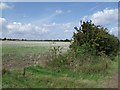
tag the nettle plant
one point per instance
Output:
(55, 51)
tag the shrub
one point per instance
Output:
(80, 62)
(90, 51)
(95, 39)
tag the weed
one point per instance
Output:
(80, 62)
(5, 71)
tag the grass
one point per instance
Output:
(52, 76)
(19, 57)
(19, 51)
(38, 77)
(41, 77)
(84, 63)
(13, 56)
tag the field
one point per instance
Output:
(31, 56)
(17, 53)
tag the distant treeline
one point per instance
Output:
(9, 39)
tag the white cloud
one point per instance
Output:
(2, 20)
(19, 27)
(85, 18)
(58, 11)
(49, 30)
(114, 31)
(23, 30)
(4, 6)
(104, 17)
(66, 27)
(107, 18)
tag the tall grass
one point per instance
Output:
(81, 63)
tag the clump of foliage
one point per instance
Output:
(90, 52)
(55, 51)
(94, 39)
(81, 63)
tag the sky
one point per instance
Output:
(54, 20)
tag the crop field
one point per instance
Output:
(17, 53)
(32, 55)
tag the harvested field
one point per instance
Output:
(36, 43)
(23, 53)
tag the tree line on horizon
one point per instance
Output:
(57, 40)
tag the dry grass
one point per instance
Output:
(19, 54)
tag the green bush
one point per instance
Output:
(90, 51)
(95, 39)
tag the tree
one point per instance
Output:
(5, 38)
(96, 38)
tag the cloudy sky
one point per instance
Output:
(50, 20)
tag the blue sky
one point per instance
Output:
(54, 20)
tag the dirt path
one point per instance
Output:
(112, 82)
